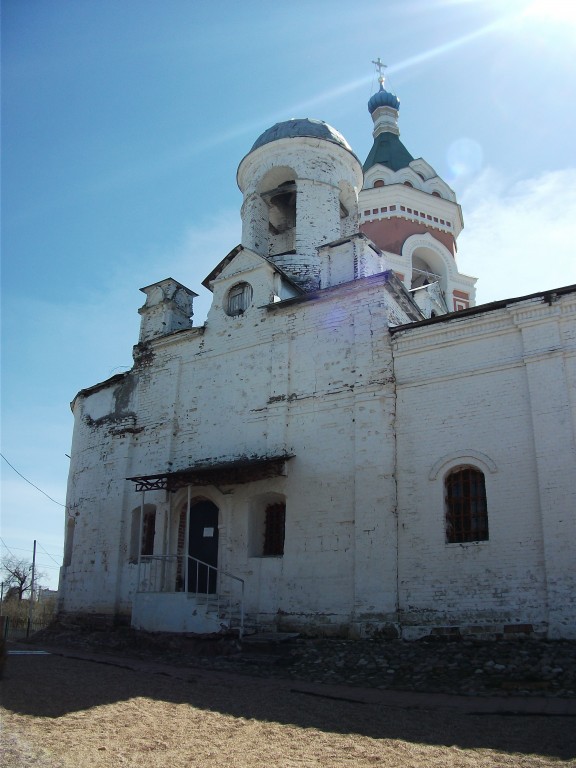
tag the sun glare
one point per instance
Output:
(563, 11)
(543, 12)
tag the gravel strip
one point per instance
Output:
(519, 667)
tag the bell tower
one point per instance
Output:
(409, 212)
(300, 183)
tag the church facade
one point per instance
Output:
(348, 445)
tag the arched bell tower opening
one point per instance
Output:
(282, 211)
(427, 268)
(348, 209)
(279, 192)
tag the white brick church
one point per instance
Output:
(348, 445)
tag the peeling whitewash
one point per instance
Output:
(370, 420)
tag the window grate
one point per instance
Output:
(274, 530)
(466, 508)
(148, 533)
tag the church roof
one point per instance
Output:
(218, 269)
(388, 150)
(301, 127)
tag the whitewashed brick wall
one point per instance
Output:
(488, 390)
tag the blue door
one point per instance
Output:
(203, 545)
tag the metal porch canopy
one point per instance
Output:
(239, 471)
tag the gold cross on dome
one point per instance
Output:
(380, 66)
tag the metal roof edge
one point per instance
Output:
(480, 309)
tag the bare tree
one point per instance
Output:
(17, 576)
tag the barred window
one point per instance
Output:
(466, 509)
(148, 532)
(274, 529)
(239, 299)
(144, 545)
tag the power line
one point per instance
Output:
(11, 550)
(49, 555)
(8, 548)
(31, 483)
(27, 549)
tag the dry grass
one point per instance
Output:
(60, 712)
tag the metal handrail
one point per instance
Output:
(214, 568)
(165, 580)
(222, 572)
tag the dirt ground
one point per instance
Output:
(59, 711)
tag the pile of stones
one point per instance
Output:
(473, 667)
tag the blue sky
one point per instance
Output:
(124, 122)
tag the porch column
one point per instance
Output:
(141, 531)
(186, 540)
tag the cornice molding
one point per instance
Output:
(487, 320)
(461, 329)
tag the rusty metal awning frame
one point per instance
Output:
(237, 472)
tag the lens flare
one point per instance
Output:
(464, 157)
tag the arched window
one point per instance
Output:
(239, 299)
(148, 532)
(379, 183)
(466, 509)
(267, 525)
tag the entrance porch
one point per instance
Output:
(199, 598)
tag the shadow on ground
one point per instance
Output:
(52, 686)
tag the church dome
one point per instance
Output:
(383, 99)
(301, 127)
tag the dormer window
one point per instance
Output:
(239, 299)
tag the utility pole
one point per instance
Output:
(30, 604)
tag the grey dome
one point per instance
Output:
(301, 127)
